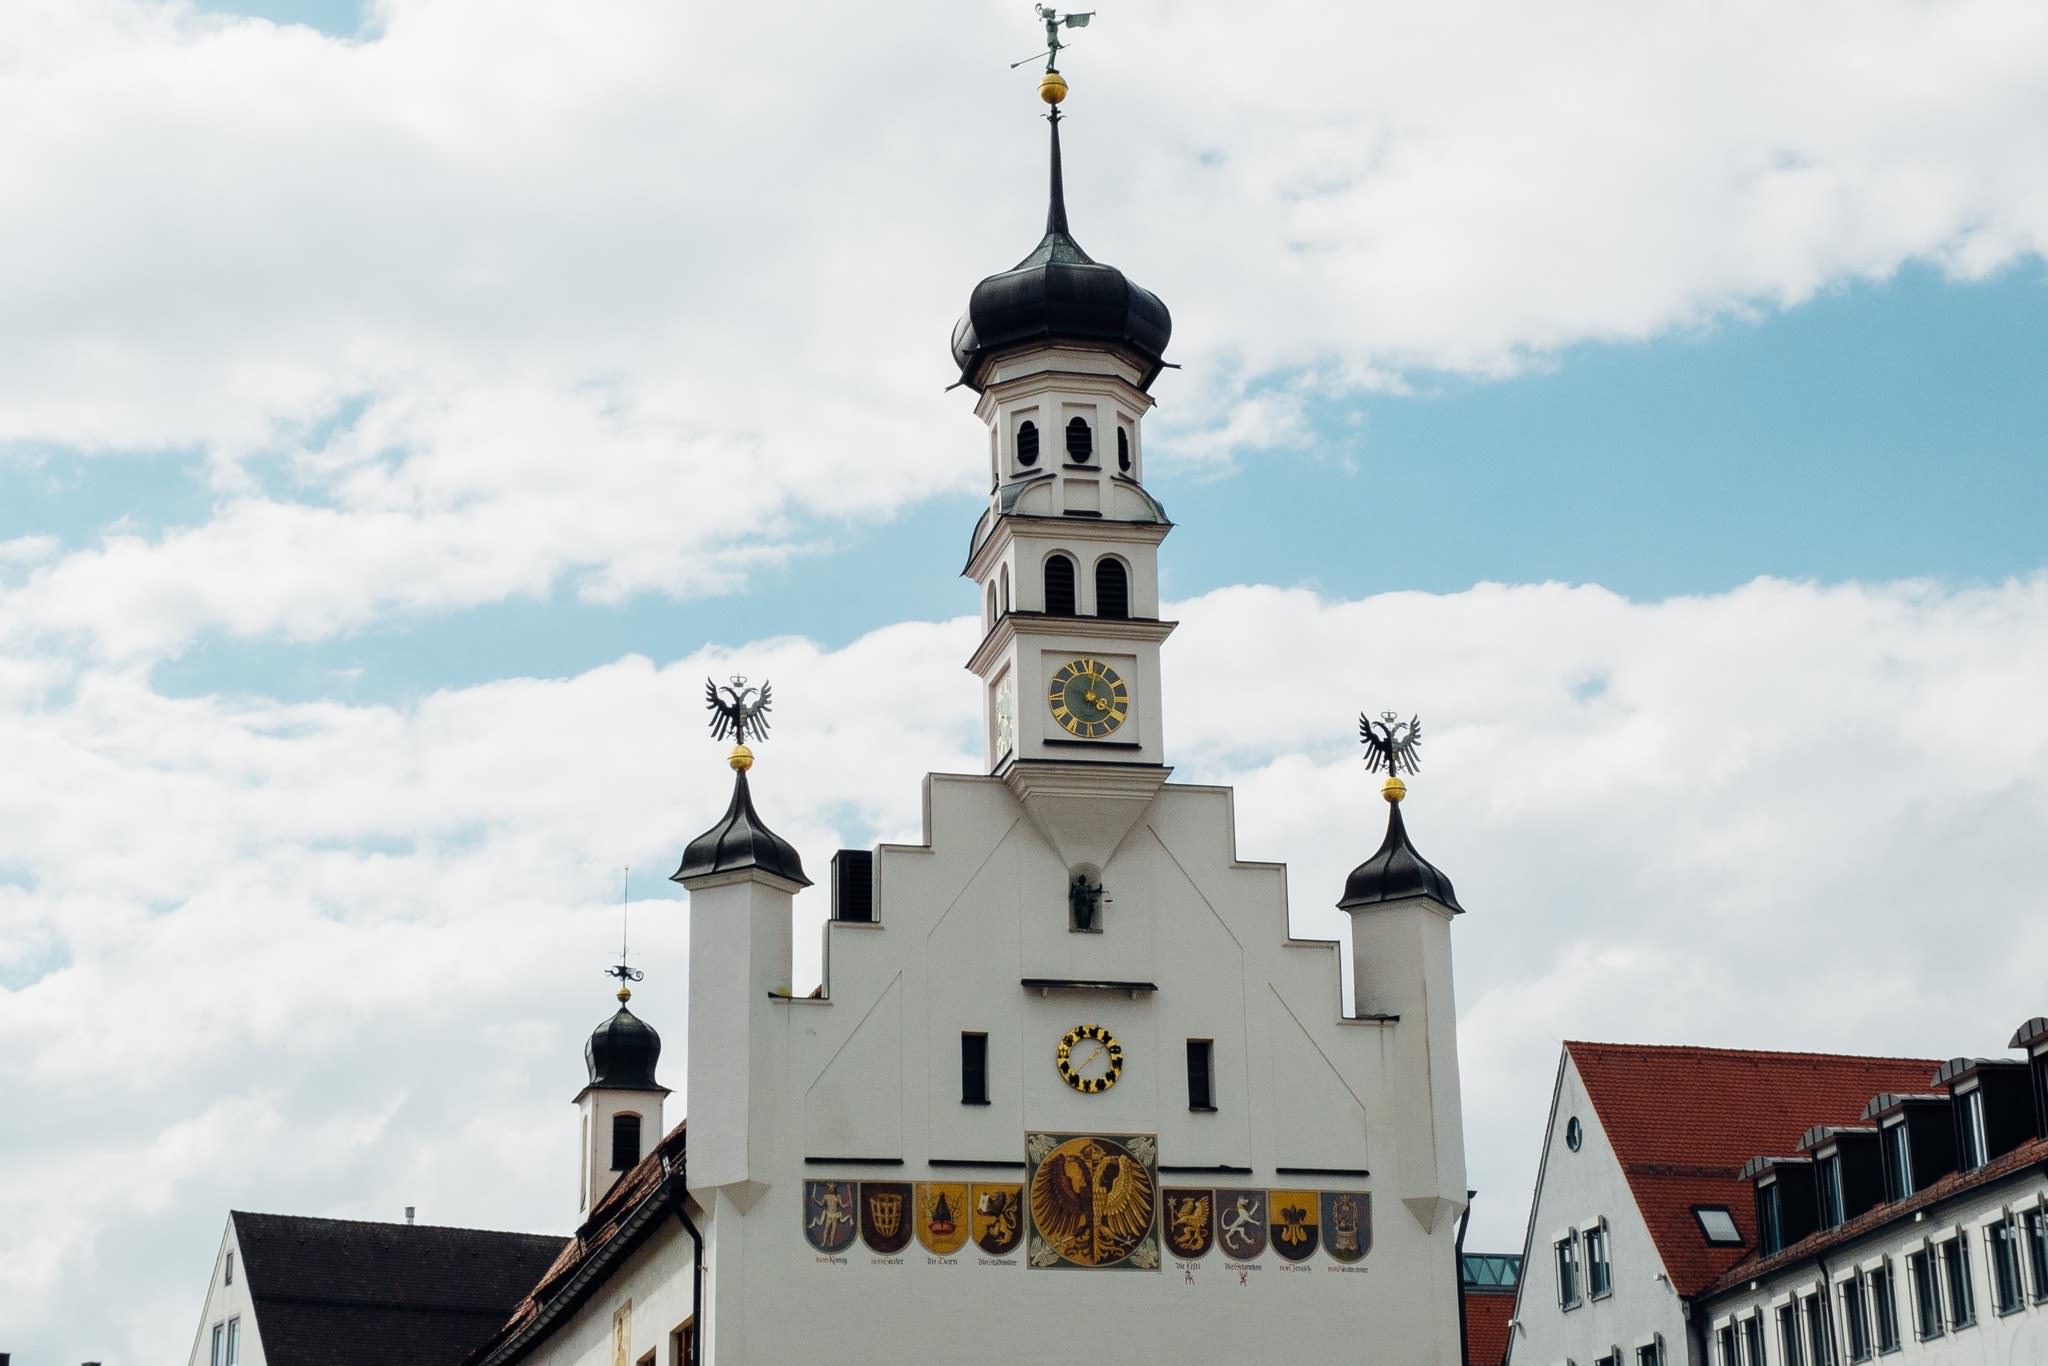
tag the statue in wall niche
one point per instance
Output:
(1084, 900)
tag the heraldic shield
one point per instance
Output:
(886, 1216)
(828, 1215)
(942, 1216)
(998, 1219)
(1190, 1222)
(1347, 1224)
(1293, 1217)
(1094, 1200)
(1241, 1223)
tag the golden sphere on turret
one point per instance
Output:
(742, 759)
(1393, 789)
(1052, 87)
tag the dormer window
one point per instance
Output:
(1027, 442)
(1112, 589)
(1059, 586)
(1770, 1222)
(1898, 1161)
(1123, 450)
(1828, 1177)
(1970, 1120)
(1080, 441)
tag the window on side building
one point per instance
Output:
(1961, 1298)
(2037, 1252)
(1599, 1274)
(1731, 1354)
(1972, 1148)
(2002, 1244)
(1790, 1347)
(1828, 1179)
(1819, 1346)
(1650, 1353)
(1898, 1161)
(1884, 1308)
(1753, 1338)
(1855, 1320)
(1926, 1295)
(220, 1340)
(234, 1355)
(1770, 1235)
(1566, 1252)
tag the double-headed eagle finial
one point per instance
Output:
(1390, 744)
(741, 713)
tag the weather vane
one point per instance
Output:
(741, 713)
(1390, 744)
(621, 971)
(1054, 22)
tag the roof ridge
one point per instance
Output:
(388, 1223)
(1723, 1051)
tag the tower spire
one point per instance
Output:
(1056, 203)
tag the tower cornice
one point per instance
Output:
(1075, 529)
(1015, 624)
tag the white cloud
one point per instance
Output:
(630, 305)
(340, 959)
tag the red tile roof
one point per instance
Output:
(1487, 1313)
(1683, 1121)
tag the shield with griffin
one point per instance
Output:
(1241, 1223)
(886, 1216)
(998, 1219)
(1293, 1217)
(942, 1216)
(1094, 1200)
(1190, 1222)
(1347, 1224)
(828, 1215)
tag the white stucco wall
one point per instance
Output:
(652, 1286)
(1574, 1190)
(872, 1072)
(226, 1301)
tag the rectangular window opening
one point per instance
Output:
(1650, 1354)
(973, 1068)
(1731, 1352)
(1955, 1276)
(1818, 1346)
(1855, 1320)
(1974, 1148)
(1599, 1274)
(2003, 1240)
(1829, 1173)
(229, 1277)
(1898, 1162)
(1926, 1295)
(2037, 1251)
(1567, 1251)
(1201, 1074)
(1884, 1308)
(234, 1342)
(1753, 1339)
(1789, 1344)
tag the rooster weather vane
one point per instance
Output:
(1390, 743)
(742, 712)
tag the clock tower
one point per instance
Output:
(1062, 351)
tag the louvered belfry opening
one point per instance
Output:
(1027, 442)
(625, 1142)
(1080, 441)
(1059, 586)
(853, 885)
(1112, 589)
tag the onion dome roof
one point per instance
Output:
(1397, 872)
(740, 840)
(622, 1053)
(1061, 293)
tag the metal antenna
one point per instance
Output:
(621, 971)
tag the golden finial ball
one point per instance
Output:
(1393, 789)
(1052, 87)
(742, 759)
(625, 994)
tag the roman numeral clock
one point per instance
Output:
(1088, 698)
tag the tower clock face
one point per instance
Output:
(1088, 699)
(1089, 1059)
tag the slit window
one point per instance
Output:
(973, 1069)
(229, 1277)
(1201, 1074)
(1080, 441)
(625, 1141)
(1059, 586)
(1027, 442)
(1123, 450)
(1112, 589)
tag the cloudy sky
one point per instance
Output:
(405, 405)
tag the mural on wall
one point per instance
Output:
(828, 1215)
(1241, 1223)
(942, 1216)
(1094, 1200)
(1190, 1222)
(1295, 1218)
(885, 1216)
(1347, 1224)
(998, 1218)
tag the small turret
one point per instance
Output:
(622, 1102)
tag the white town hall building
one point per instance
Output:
(1070, 1090)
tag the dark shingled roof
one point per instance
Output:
(740, 840)
(622, 1052)
(339, 1292)
(1397, 872)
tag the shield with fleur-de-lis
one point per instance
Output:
(1295, 1220)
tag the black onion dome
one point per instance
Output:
(740, 840)
(1397, 872)
(1059, 292)
(622, 1053)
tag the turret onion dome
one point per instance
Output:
(1397, 872)
(1060, 293)
(740, 840)
(622, 1053)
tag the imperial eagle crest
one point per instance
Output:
(1390, 743)
(742, 712)
(1093, 1203)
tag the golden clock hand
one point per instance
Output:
(1092, 1056)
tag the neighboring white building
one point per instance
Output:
(1721, 1207)
(1070, 1087)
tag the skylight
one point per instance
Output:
(1718, 1225)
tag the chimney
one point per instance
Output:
(408, 1219)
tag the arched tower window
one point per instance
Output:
(625, 1141)
(1059, 586)
(1080, 441)
(1027, 442)
(1112, 589)
(991, 618)
(1123, 450)
(1003, 596)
